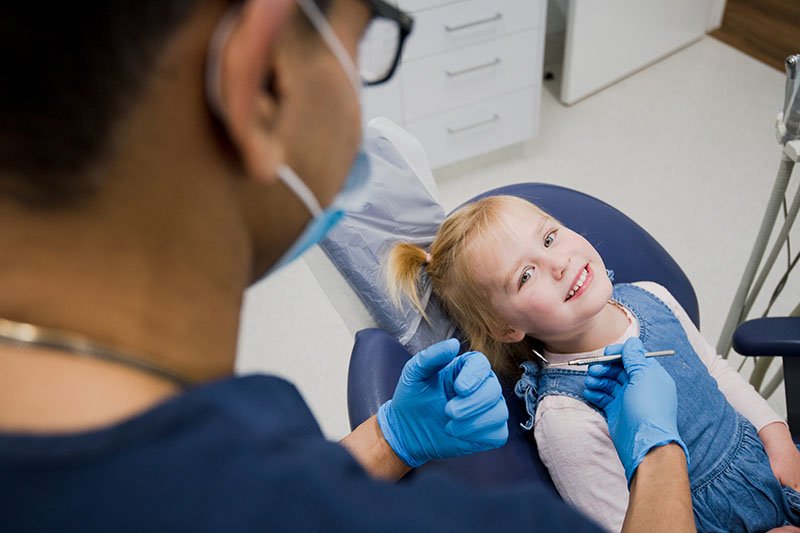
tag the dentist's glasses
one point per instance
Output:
(382, 44)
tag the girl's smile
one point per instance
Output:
(581, 283)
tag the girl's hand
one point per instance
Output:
(783, 455)
(787, 468)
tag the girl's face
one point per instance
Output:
(543, 279)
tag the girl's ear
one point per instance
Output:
(509, 335)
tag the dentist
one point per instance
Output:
(156, 158)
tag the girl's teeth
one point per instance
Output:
(578, 284)
(580, 281)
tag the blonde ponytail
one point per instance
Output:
(404, 267)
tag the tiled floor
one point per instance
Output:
(685, 147)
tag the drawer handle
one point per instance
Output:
(454, 73)
(494, 118)
(494, 18)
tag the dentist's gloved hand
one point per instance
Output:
(640, 402)
(444, 406)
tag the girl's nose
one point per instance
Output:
(559, 266)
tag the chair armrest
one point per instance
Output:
(375, 366)
(768, 336)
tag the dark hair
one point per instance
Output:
(69, 71)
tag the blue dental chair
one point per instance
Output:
(627, 249)
(776, 336)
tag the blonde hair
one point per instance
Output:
(452, 268)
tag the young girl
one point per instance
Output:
(514, 279)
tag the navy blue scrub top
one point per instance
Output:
(241, 454)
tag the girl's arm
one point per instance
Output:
(773, 431)
(575, 446)
(783, 455)
(739, 393)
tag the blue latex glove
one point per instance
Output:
(640, 402)
(444, 406)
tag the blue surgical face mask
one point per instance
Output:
(350, 198)
(353, 192)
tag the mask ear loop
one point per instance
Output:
(329, 36)
(290, 178)
(320, 23)
(213, 74)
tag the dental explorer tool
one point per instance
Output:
(608, 358)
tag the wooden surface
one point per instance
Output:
(768, 30)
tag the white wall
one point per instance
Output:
(716, 12)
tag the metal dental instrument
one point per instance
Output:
(607, 358)
(791, 64)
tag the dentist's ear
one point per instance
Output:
(240, 60)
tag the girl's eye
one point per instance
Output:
(526, 275)
(549, 239)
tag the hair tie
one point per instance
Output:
(428, 258)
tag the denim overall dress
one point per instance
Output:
(733, 487)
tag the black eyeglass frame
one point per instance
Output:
(382, 9)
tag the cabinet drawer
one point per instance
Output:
(385, 100)
(471, 74)
(418, 5)
(454, 26)
(479, 128)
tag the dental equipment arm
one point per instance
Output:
(791, 103)
(788, 135)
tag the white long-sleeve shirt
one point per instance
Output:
(573, 439)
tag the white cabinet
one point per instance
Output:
(610, 39)
(470, 78)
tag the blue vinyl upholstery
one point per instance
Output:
(768, 336)
(626, 248)
(776, 336)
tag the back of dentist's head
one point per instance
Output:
(455, 257)
(71, 69)
(71, 72)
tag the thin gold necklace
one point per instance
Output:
(14, 333)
